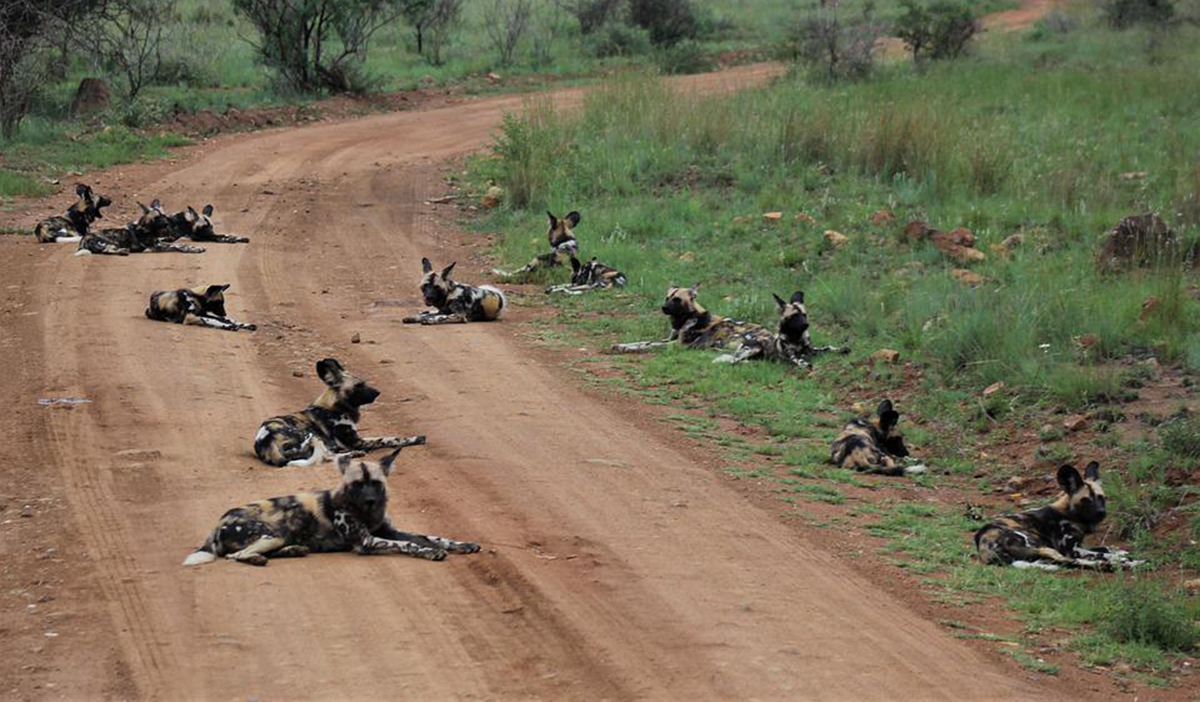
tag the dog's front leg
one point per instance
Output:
(639, 346)
(444, 319)
(217, 323)
(391, 533)
(373, 545)
(372, 443)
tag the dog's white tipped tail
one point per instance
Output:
(69, 239)
(199, 558)
(83, 252)
(915, 470)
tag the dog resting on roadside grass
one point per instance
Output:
(562, 244)
(351, 517)
(790, 345)
(77, 221)
(327, 427)
(589, 276)
(201, 306)
(153, 232)
(873, 446)
(694, 327)
(198, 226)
(1051, 537)
(454, 302)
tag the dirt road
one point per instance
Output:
(616, 565)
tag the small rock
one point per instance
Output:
(1148, 306)
(1152, 366)
(297, 374)
(428, 79)
(772, 216)
(889, 356)
(493, 77)
(966, 277)
(883, 217)
(1074, 422)
(804, 217)
(357, 338)
(958, 244)
(385, 361)
(491, 199)
(687, 257)
(993, 389)
(1134, 175)
(917, 230)
(1015, 483)
(835, 238)
(1192, 586)
(1006, 247)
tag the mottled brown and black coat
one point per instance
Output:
(77, 221)
(455, 302)
(872, 446)
(201, 307)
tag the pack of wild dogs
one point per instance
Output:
(352, 515)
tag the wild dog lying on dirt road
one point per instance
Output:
(791, 344)
(151, 233)
(562, 243)
(1050, 537)
(202, 306)
(327, 427)
(693, 326)
(592, 275)
(351, 517)
(454, 302)
(77, 221)
(873, 446)
(198, 226)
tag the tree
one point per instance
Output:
(128, 35)
(941, 30)
(506, 22)
(668, 21)
(434, 23)
(318, 44)
(591, 14)
(834, 49)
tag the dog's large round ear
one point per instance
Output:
(330, 371)
(214, 290)
(426, 266)
(208, 210)
(388, 460)
(779, 301)
(575, 265)
(343, 462)
(1069, 479)
(885, 406)
(798, 297)
(145, 210)
(447, 270)
(888, 419)
(156, 204)
(189, 215)
(82, 190)
(694, 288)
(573, 217)
(553, 219)
(1092, 472)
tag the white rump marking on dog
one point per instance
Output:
(1034, 564)
(83, 252)
(915, 470)
(199, 558)
(69, 239)
(263, 433)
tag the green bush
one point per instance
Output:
(617, 39)
(668, 21)
(940, 30)
(1140, 612)
(1181, 436)
(1121, 14)
(684, 57)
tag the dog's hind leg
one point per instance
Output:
(830, 349)
(217, 323)
(256, 553)
(293, 551)
(444, 319)
(639, 346)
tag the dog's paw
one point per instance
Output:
(250, 327)
(256, 559)
(411, 320)
(432, 554)
(466, 547)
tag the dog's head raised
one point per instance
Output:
(562, 234)
(885, 422)
(212, 299)
(1084, 502)
(436, 287)
(363, 490)
(793, 317)
(195, 223)
(88, 208)
(345, 390)
(153, 220)
(681, 303)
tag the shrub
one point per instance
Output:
(834, 50)
(591, 14)
(1140, 612)
(317, 44)
(668, 21)
(1181, 436)
(506, 22)
(1121, 14)
(617, 39)
(434, 24)
(684, 57)
(941, 30)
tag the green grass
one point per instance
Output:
(1030, 136)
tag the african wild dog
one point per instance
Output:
(455, 302)
(592, 275)
(562, 243)
(202, 306)
(351, 517)
(1050, 537)
(791, 344)
(873, 446)
(78, 220)
(693, 326)
(327, 427)
(150, 233)
(198, 226)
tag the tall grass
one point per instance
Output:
(1001, 144)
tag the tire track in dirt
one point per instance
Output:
(617, 568)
